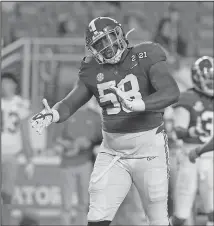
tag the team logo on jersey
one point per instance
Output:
(198, 106)
(100, 77)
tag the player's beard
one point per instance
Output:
(110, 51)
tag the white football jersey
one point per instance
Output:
(12, 112)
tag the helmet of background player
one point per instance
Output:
(106, 40)
(202, 75)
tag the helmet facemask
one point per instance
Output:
(108, 46)
(203, 76)
(208, 81)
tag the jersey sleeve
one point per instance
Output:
(87, 68)
(149, 54)
(83, 68)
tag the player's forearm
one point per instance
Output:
(161, 99)
(63, 110)
(72, 102)
(206, 147)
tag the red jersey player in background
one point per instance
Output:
(194, 125)
(14, 138)
(133, 86)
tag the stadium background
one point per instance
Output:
(43, 44)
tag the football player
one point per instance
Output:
(194, 125)
(133, 86)
(197, 152)
(14, 138)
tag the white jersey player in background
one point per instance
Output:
(14, 139)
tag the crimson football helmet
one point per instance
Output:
(106, 40)
(202, 75)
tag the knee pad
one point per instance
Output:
(175, 221)
(100, 223)
(157, 185)
(210, 217)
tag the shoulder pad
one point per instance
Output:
(149, 53)
(88, 59)
(88, 63)
(149, 47)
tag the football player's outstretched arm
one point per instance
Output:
(167, 91)
(62, 110)
(73, 101)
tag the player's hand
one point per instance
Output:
(123, 98)
(127, 102)
(42, 119)
(193, 155)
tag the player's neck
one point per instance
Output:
(124, 54)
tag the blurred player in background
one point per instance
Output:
(194, 125)
(133, 86)
(14, 138)
(197, 152)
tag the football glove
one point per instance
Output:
(44, 118)
(127, 102)
(193, 155)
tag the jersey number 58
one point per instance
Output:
(134, 92)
